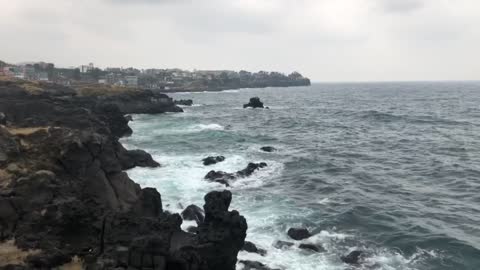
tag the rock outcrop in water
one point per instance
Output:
(254, 103)
(268, 149)
(252, 248)
(282, 244)
(253, 265)
(184, 102)
(311, 247)
(226, 178)
(212, 160)
(298, 233)
(64, 193)
(353, 257)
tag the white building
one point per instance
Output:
(86, 68)
(42, 76)
(131, 81)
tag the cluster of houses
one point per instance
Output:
(146, 78)
(26, 72)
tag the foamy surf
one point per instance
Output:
(201, 127)
(363, 205)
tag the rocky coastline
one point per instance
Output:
(235, 86)
(66, 201)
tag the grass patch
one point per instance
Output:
(10, 254)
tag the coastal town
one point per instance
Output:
(150, 79)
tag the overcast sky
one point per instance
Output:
(326, 40)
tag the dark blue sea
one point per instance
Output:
(392, 169)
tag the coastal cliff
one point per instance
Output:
(65, 198)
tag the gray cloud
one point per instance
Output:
(134, 2)
(334, 40)
(402, 6)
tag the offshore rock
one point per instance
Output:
(136, 158)
(254, 103)
(353, 257)
(252, 248)
(220, 177)
(298, 233)
(212, 160)
(268, 149)
(282, 244)
(184, 102)
(251, 168)
(311, 247)
(225, 178)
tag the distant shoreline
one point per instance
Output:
(223, 89)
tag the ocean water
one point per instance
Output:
(392, 169)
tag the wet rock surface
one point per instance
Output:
(282, 244)
(268, 149)
(226, 178)
(353, 257)
(298, 233)
(252, 248)
(184, 102)
(254, 265)
(254, 103)
(193, 212)
(212, 160)
(64, 192)
(312, 247)
(3, 119)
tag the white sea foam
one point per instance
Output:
(180, 129)
(188, 223)
(259, 177)
(201, 127)
(231, 91)
(189, 106)
(180, 179)
(324, 201)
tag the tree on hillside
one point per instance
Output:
(295, 75)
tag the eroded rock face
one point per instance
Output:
(63, 192)
(138, 102)
(3, 119)
(8, 146)
(193, 212)
(222, 230)
(254, 103)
